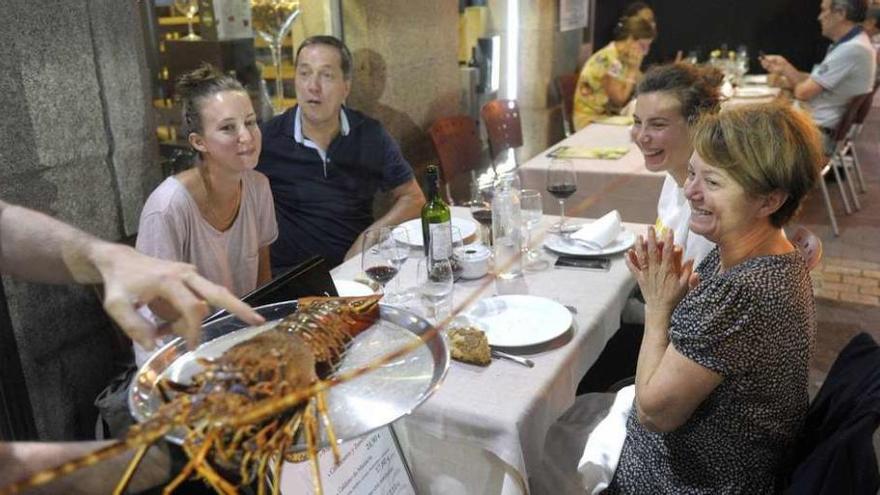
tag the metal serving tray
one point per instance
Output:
(356, 407)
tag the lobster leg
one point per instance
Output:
(194, 460)
(328, 425)
(215, 479)
(261, 473)
(311, 428)
(130, 469)
(278, 464)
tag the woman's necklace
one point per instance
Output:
(216, 216)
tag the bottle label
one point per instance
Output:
(440, 235)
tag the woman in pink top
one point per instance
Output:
(218, 215)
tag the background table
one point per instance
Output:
(483, 430)
(603, 185)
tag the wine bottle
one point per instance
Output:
(436, 218)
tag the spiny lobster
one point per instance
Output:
(246, 408)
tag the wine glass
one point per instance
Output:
(272, 20)
(561, 183)
(481, 210)
(434, 280)
(189, 8)
(457, 242)
(379, 254)
(532, 209)
(400, 235)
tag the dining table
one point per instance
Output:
(619, 180)
(603, 183)
(483, 429)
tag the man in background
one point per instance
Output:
(847, 70)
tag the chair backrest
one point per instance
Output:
(849, 116)
(565, 86)
(835, 444)
(457, 143)
(502, 125)
(865, 107)
(809, 245)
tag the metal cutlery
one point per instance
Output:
(528, 363)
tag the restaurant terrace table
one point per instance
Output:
(483, 430)
(623, 184)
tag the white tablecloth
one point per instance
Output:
(602, 185)
(483, 430)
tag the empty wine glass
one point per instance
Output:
(457, 242)
(434, 280)
(532, 208)
(189, 8)
(561, 183)
(378, 255)
(400, 235)
(272, 20)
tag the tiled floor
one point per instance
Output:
(847, 282)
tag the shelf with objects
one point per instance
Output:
(250, 40)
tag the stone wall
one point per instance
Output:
(76, 142)
(406, 67)
(544, 53)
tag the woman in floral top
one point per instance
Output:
(609, 77)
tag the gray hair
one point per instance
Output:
(854, 10)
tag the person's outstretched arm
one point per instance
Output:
(38, 248)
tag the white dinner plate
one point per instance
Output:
(755, 79)
(553, 242)
(352, 288)
(755, 92)
(519, 320)
(413, 227)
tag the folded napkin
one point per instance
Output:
(600, 233)
(600, 152)
(604, 445)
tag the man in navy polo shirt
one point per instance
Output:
(325, 164)
(846, 71)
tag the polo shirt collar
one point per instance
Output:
(344, 127)
(852, 33)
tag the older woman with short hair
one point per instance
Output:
(721, 382)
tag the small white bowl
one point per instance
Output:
(474, 260)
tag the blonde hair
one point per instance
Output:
(764, 148)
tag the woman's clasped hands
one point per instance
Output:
(663, 277)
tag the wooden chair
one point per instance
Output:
(849, 149)
(836, 162)
(457, 143)
(503, 126)
(565, 86)
(809, 245)
(840, 139)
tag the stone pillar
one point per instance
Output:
(543, 53)
(77, 141)
(406, 67)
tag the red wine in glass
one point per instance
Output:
(561, 183)
(381, 274)
(483, 215)
(561, 191)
